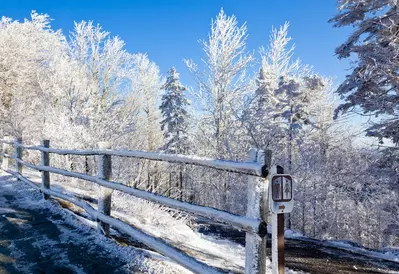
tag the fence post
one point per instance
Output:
(6, 150)
(45, 162)
(257, 207)
(104, 199)
(18, 154)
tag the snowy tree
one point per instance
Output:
(222, 85)
(286, 102)
(373, 83)
(223, 81)
(175, 125)
(146, 85)
(25, 49)
(175, 115)
(105, 58)
(257, 116)
(293, 106)
(287, 96)
(372, 87)
(87, 88)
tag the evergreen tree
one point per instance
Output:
(257, 117)
(294, 105)
(373, 83)
(175, 116)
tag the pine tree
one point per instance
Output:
(373, 84)
(257, 117)
(294, 99)
(175, 115)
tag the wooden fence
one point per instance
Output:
(254, 223)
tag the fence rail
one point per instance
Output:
(247, 168)
(254, 223)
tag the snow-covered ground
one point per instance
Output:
(171, 226)
(71, 229)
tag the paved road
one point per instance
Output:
(312, 256)
(39, 241)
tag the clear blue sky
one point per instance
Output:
(169, 30)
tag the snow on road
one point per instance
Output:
(152, 219)
(38, 235)
(158, 221)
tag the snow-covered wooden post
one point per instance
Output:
(257, 207)
(45, 162)
(6, 150)
(18, 154)
(104, 199)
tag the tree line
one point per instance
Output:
(84, 88)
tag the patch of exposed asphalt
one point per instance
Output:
(37, 241)
(311, 256)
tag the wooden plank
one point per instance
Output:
(280, 243)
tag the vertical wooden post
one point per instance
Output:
(278, 237)
(18, 154)
(280, 241)
(45, 162)
(104, 199)
(6, 150)
(257, 207)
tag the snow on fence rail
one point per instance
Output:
(254, 223)
(247, 168)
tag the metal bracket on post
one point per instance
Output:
(104, 199)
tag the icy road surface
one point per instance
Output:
(38, 236)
